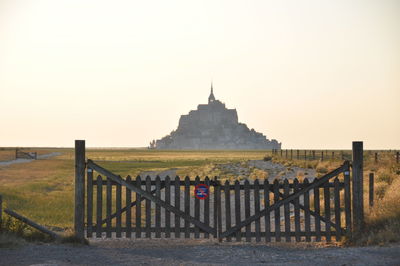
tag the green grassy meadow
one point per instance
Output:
(43, 190)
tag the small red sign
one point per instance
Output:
(201, 191)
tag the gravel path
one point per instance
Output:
(43, 156)
(189, 252)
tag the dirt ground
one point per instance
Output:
(200, 252)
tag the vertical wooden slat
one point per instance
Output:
(148, 208)
(79, 218)
(227, 208)
(347, 202)
(215, 207)
(207, 207)
(358, 191)
(247, 208)
(307, 224)
(297, 227)
(257, 208)
(138, 226)
(187, 206)
(128, 199)
(108, 207)
(197, 211)
(337, 209)
(178, 206)
(219, 210)
(118, 210)
(286, 210)
(277, 212)
(158, 208)
(327, 201)
(167, 212)
(89, 215)
(267, 218)
(99, 206)
(317, 210)
(237, 209)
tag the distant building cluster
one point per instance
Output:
(213, 127)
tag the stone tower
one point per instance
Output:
(214, 127)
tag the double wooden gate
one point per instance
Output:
(311, 210)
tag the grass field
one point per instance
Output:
(43, 190)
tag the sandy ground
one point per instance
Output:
(189, 252)
(43, 156)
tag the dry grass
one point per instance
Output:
(382, 221)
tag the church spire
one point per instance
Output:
(211, 98)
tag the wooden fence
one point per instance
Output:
(322, 155)
(299, 210)
(25, 155)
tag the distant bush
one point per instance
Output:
(267, 158)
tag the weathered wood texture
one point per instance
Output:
(79, 218)
(358, 191)
(31, 223)
(239, 209)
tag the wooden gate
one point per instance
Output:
(310, 210)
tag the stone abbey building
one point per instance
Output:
(214, 127)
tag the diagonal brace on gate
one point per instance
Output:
(149, 196)
(115, 214)
(288, 199)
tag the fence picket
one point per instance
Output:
(99, 205)
(237, 209)
(168, 201)
(148, 208)
(297, 227)
(138, 225)
(277, 212)
(177, 205)
(347, 201)
(267, 216)
(317, 210)
(227, 208)
(196, 210)
(257, 208)
(187, 205)
(327, 211)
(207, 207)
(89, 217)
(286, 210)
(337, 210)
(128, 216)
(247, 208)
(118, 210)
(108, 207)
(307, 224)
(158, 208)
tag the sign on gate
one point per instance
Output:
(201, 191)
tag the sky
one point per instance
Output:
(313, 74)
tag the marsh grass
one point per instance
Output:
(382, 221)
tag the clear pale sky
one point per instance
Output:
(311, 74)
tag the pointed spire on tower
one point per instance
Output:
(211, 98)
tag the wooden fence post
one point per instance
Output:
(322, 156)
(298, 154)
(79, 188)
(281, 152)
(397, 157)
(376, 157)
(371, 189)
(333, 155)
(358, 204)
(286, 153)
(291, 154)
(313, 155)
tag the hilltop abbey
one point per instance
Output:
(213, 127)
